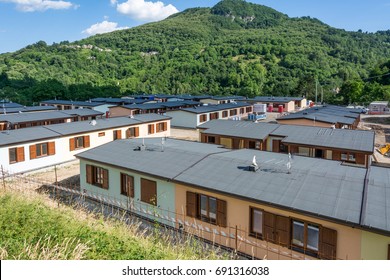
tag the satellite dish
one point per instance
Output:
(93, 122)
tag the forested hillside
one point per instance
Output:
(233, 48)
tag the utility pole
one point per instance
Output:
(316, 91)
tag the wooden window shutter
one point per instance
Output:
(192, 202)
(269, 226)
(89, 173)
(360, 158)
(165, 126)
(148, 191)
(87, 143)
(128, 133)
(20, 154)
(72, 144)
(158, 128)
(221, 213)
(328, 243)
(137, 131)
(283, 230)
(336, 155)
(119, 134)
(51, 148)
(132, 188)
(105, 179)
(152, 129)
(33, 151)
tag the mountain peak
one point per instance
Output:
(247, 14)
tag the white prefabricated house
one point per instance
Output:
(39, 147)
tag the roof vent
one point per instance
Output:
(254, 167)
(289, 164)
(93, 122)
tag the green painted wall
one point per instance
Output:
(165, 193)
(374, 246)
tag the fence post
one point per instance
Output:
(3, 176)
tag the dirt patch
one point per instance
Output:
(378, 120)
(185, 134)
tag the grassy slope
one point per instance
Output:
(33, 227)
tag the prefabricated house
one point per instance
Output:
(259, 203)
(348, 146)
(195, 116)
(222, 99)
(26, 109)
(69, 104)
(33, 148)
(324, 116)
(379, 107)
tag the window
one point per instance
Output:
(16, 155)
(305, 236)
(151, 129)
(203, 118)
(149, 191)
(101, 134)
(233, 112)
(224, 114)
(79, 142)
(214, 116)
(207, 208)
(242, 111)
(133, 132)
(348, 157)
(117, 134)
(42, 149)
(248, 109)
(211, 139)
(97, 176)
(127, 185)
(256, 226)
(163, 126)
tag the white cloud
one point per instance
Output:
(113, 2)
(103, 27)
(146, 11)
(40, 5)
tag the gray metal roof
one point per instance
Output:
(10, 105)
(70, 102)
(327, 114)
(82, 112)
(178, 155)
(27, 109)
(242, 129)
(214, 108)
(320, 187)
(377, 214)
(33, 116)
(356, 140)
(57, 130)
(9, 138)
(275, 99)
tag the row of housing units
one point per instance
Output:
(300, 208)
(188, 113)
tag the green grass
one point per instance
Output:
(33, 227)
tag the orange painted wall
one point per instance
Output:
(119, 112)
(305, 122)
(348, 239)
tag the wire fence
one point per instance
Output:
(234, 238)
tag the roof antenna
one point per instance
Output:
(289, 164)
(254, 167)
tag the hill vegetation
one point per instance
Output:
(235, 47)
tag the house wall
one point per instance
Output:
(238, 214)
(183, 119)
(209, 101)
(165, 192)
(305, 122)
(119, 112)
(375, 246)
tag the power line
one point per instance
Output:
(379, 76)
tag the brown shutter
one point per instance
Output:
(119, 134)
(72, 144)
(165, 126)
(105, 179)
(328, 243)
(360, 159)
(136, 131)
(33, 151)
(336, 155)
(89, 173)
(148, 191)
(282, 230)
(51, 148)
(221, 213)
(276, 146)
(128, 133)
(158, 128)
(269, 226)
(87, 143)
(152, 128)
(20, 154)
(191, 204)
(132, 188)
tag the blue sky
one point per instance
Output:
(24, 22)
